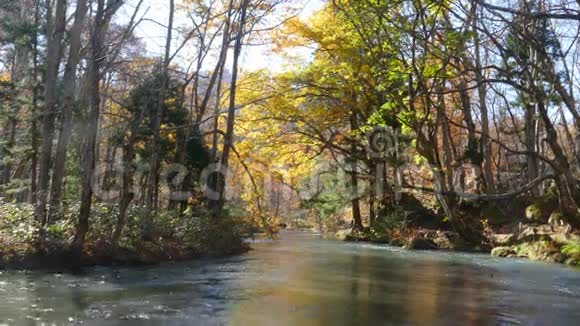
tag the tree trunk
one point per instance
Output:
(229, 136)
(8, 155)
(218, 71)
(102, 19)
(354, 192)
(153, 188)
(126, 191)
(473, 148)
(216, 117)
(530, 139)
(69, 81)
(34, 111)
(373, 194)
(565, 181)
(55, 35)
(448, 155)
(482, 95)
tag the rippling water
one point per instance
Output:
(302, 280)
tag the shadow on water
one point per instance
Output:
(302, 280)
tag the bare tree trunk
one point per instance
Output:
(397, 171)
(565, 181)
(569, 139)
(8, 155)
(355, 200)
(220, 74)
(34, 110)
(229, 136)
(354, 191)
(126, 194)
(482, 95)
(448, 156)
(372, 194)
(153, 189)
(102, 19)
(217, 74)
(55, 35)
(473, 147)
(216, 117)
(531, 146)
(69, 81)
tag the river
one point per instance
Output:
(302, 280)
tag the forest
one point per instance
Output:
(422, 124)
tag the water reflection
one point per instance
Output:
(302, 280)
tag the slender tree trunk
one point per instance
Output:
(217, 74)
(397, 171)
(8, 155)
(229, 136)
(216, 117)
(565, 181)
(448, 156)
(482, 95)
(472, 139)
(569, 139)
(126, 191)
(531, 145)
(220, 70)
(372, 194)
(153, 189)
(54, 51)
(355, 200)
(354, 191)
(69, 81)
(89, 148)
(34, 110)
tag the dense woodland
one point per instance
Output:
(453, 116)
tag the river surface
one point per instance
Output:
(302, 280)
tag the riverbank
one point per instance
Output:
(103, 254)
(555, 244)
(145, 240)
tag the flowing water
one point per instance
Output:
(302, 280)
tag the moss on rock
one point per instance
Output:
(543, 250)
(506, 251)
(543, 207)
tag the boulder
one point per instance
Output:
(342, 235)
(502, 240)
(421, 244)
(505, 251)
(543, 207)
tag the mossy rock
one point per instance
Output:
(503, 240)
(556, 219)
(542, 208)
(354, 235)
(342, 235)
(534, 213)
(540, 250)
(506, 251)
